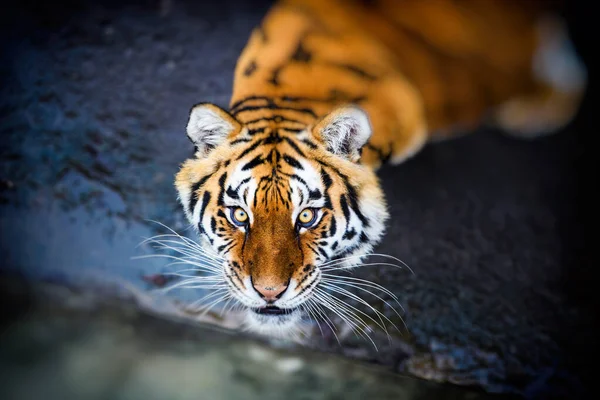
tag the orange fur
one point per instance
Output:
(421, 69)
(325, 92)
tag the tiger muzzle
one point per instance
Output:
(271, 256)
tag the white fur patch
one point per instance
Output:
(207, 128)
(347, 132)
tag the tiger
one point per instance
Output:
(284, 182)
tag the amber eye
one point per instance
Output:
(239, 216)
(307, 218)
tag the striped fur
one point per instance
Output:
(325, 92)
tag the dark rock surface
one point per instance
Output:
(94, 100)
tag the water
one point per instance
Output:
(74, 346)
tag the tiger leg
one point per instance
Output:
(397, 117)
(561, 80)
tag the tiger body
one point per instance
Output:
(325, 92)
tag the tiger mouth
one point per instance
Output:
(273, 310)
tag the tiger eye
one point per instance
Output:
(307, 218)
(239, 216)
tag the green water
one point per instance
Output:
(71, 346)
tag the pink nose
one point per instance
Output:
(270, 293)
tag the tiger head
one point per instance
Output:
(275, 206)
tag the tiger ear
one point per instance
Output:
(208, 126)
(344, 131)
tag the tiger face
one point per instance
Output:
(276, 205)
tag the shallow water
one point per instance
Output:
(74, 346)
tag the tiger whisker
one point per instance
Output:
(213, 304)
(344, 259)
(191, 252)
(378, 313)
(225, 306)
(204, 287)
(205, 297)
(339, 308)
(204, 278)
(360, 282)
(312, 305)
(191, 256)
(186, 262)
(196, 267)
(360, 328)
(383, 300)
(191, 261)
(329, 268)
(182, 240)
(323, 301)
(206, 267)
(351, 295)
(304, 307)
(178, 284)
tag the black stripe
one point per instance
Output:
(247, 99)
(273, 138)
(274, 118)
(254, 131)
(312, 249)
(348, 250)
(223, 246)
(205, 200)
(314, 194)
(349, 234)
(354, 203)
(295, 177)
(292, 130)
(241, 140)
(232, 193)
(351, 191)
(326, 179)
(323, 252)
(345, 209)
(222, 186)
(293, 99)
(327, 182)
(363, 238)
(253, 163)
(194, 194)
(292, 161)
(294, 146)
(249, 149)
(332, 227)
(361, 73)
(309, 143)
(276, 107)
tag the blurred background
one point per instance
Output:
(93, 104)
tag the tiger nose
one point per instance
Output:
(270, 293)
